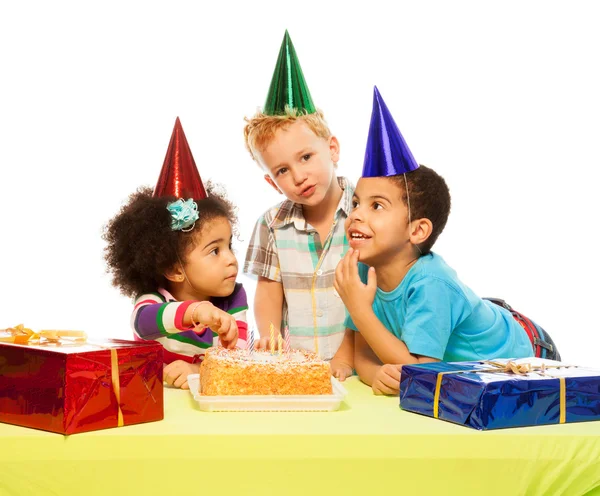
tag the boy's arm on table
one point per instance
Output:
(342, 363)
(383, 378)
(387, 347)
(366, 362)
(268, 308)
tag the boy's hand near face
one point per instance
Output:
(356, 295)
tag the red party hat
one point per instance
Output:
(179, 175)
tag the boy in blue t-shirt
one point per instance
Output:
(406, 303)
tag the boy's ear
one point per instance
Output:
(420, 230)
(334, 149)
(175, 274)
(269, 179)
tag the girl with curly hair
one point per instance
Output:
(174, 256)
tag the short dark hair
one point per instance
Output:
(429, 199)
(141, 246)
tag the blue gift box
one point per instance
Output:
(480, 395)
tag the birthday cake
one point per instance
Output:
(241, 372)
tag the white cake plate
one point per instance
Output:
(268, 403)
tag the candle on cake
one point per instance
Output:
(251, 339)
(288, 348)
(272, 338)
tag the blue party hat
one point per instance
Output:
(387, 153)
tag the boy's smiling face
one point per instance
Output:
(300, 164)
(378, 224)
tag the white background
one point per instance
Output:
(502, 100)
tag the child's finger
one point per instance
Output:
(169, 377)
(223, 327)
(347, 372)
(232, 331)
(339, 271)
(180, 380)
(371, 279)
(168, 373)
(341, 375)
(353, 268)
(200, 329)
(380, 388)
(215, 317)
(355, 255)
(393, 371)
(230, 339)
(185, 385)
(227, 344)
(390, 383)
(228, 333)
(346, 261)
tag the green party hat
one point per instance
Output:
(288, 86)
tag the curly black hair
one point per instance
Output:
(429, 199)
(141, 245)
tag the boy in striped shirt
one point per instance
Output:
(297, 244)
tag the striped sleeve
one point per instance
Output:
(261, 258)
(153, 317)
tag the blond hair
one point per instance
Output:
(261, 128)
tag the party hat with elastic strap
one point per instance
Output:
(387, 153)
(179, 175)
(288, 87)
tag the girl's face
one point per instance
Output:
(211, 267)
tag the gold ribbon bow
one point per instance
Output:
(24, 336)
(509, 367)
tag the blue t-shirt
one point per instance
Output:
(437, 316)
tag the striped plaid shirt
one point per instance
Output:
(286, 249)
(159, 317)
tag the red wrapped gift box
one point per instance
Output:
(77, 388)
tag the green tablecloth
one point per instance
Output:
(368, 447)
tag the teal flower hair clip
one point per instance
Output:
(184, 214)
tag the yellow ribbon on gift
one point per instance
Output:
(509, 367)
(24, 336)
